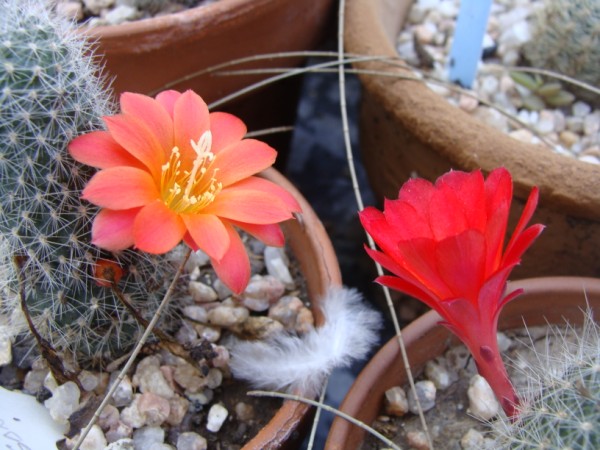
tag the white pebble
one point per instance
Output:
(425, 392)
(109, 417)
(121, 444)
(216, 417)
(188, 377)
(482, 401)
(201, 292)
(178, 408)
(396, 403)
(439, 375)
(95, 439)
(417, 440)
(120, 14)
(5, 351)
(150, 378)
(70, 10)
(131, 416)
(504, 342)
(277, 264)
(581, 109)
(96, 6)
(591, 123)
(191, 441)
(227, 316)
(472, 440)
(119, 431)
(123, 393)
(154, 408)
(64, 402)
(545, 122)
(196, 313)
(145, 437)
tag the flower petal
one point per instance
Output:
(234, 267)
(135, 137)
(269, 234)
(113, 230)
(226, 130)
(526, 215)
(243, 159)
(99, 149)
(249, 206)
(208, 233)
(167, 99)
(190, 118)
(157, 229)
(120, 188)
(498, 192)
(268, 187)
(153, 114)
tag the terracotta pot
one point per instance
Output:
(311, 246)
(143, 56)
(406, 128)
(545, 300)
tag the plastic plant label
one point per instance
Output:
(26, 424)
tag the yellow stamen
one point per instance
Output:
(190, 191)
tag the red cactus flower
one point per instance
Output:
(444, 245)
(170, 170)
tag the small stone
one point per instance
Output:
(208, 333)
(265, 288)
(191, 441)
(482, 402)
(186, 334)
(70, 10)
(202, 293)
(591, 123)
(64, 402)
(121, 14)
(189, 377)
(244, 412)
(277, 264)
(149, 377)
(425, 392)
(97, 6)
(222, 358)
(123, 393)
(179, 407)
(417, 440)
(200, 399)
(467, 103)
(160, 446)
(89, 381)
(196, 259)
(581, 109)
(545, 123)
(50, 382)
(472, 440)
(504, 342)
(196, 313)
(145, 437)
(227, 316)
(109, 417)
(305, 321)
(214, 378)
(425, 32)
(396, 403)
(216, 417)
(121, 444)
(258, 327)
(34, 380)
(439, 375)
(222, 291)
(574, 124)
(492, 118)
(154, 408)
(119, 431)
(522, 135)
(95, 439)
(131, 415)
(5, 351)
(568, 138)
(285, 311)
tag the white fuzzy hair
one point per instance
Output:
(300, 364)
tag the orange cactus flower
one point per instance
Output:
(170, 170)
(443, 243)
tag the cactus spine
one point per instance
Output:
(567, 40)
(50, 93)
(561, 407)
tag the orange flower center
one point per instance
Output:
(188, 191)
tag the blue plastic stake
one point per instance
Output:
(468, 40)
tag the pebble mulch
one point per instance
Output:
(573, 130)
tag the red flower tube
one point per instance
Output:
(443, 243)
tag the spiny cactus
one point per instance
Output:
(50, 92)
(561, 407)
(567, 40)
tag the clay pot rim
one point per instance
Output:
(280, 428)
(175, 26)
(370, 29)
(549, 290)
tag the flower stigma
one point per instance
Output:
(188, 191)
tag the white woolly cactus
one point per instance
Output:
(50, 92)
(560, 407)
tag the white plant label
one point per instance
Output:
(26, 424)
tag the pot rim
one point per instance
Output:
(566, 184)
(559, 299)
(308, 236)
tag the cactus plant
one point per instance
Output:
(540, 94)
(561, 404)
(567, 40)
(50, 92)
